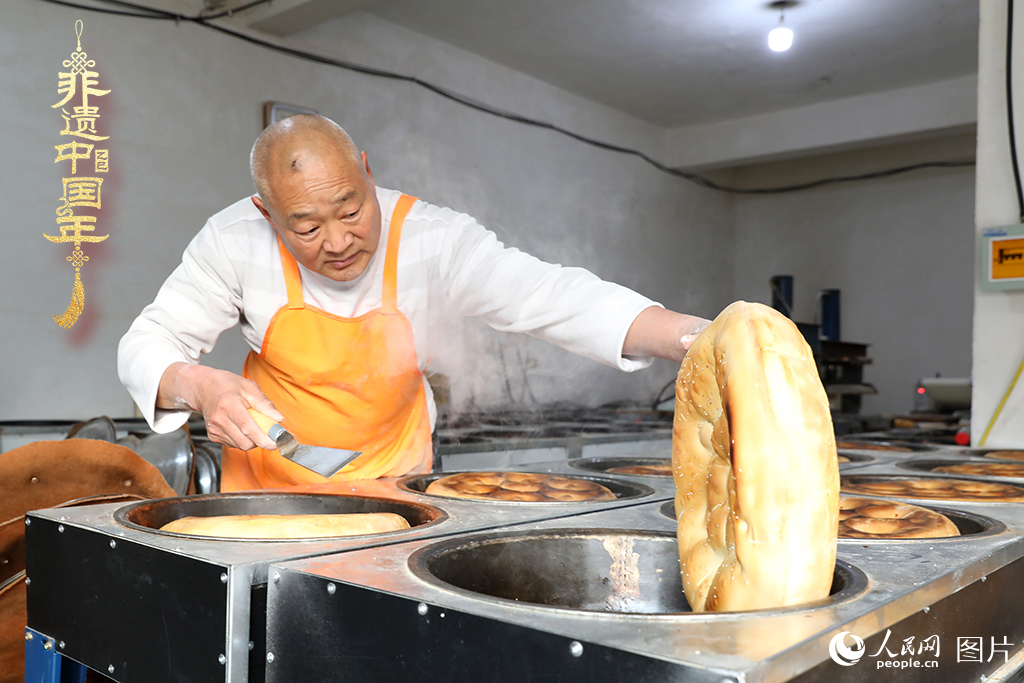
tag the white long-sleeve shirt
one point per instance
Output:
(231, 273)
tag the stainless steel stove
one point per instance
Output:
(488, 440)
(114, 592)
(549, 601)
(483, 591)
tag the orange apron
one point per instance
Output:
(348, 383)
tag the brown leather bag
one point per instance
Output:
(48, 474)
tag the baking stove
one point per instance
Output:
(115, 593)
(597, 596)
(508, 439)
(486, 591)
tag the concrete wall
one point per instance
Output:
(998, 316)
(900, 249)
(929, 110)
(186, 105)
(185, 108)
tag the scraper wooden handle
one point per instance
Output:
(265, 423)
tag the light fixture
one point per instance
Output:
(780, 38)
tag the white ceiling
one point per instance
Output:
(683, 62)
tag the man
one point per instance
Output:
(331, 278)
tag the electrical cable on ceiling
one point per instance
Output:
(1009, 110)
(144, 12)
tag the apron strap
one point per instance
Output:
(389, 303)
(292, 278)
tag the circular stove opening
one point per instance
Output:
(602, 465)
(947, 488)
(590, 571)
(1006, 454)
(966, 523)
(930, 465)
(150, 515)
(623, 489)
(848, 442)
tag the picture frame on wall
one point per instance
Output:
(275, 111)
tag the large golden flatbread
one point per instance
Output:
(288, 526)
(756, 470)
(867, 518)
(940, 489)
(523, 487)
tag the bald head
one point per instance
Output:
(292, 145)
(316, 191)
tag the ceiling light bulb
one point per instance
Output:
(780, 38)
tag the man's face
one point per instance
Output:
(325, 210)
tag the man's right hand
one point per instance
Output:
(223, 398)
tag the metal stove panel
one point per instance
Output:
(63, 602)
(353, 634)
(124, 608)
(949, 580)
(988, 610)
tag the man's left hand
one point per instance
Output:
(659, 333)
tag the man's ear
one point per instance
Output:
(366, 165)
(258, 203)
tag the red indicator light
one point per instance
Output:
(920, 390)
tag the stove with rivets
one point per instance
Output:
(483, 591)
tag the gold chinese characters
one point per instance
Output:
(80, 191)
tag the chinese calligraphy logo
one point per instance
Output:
(80, 191)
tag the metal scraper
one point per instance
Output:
(324, 461)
